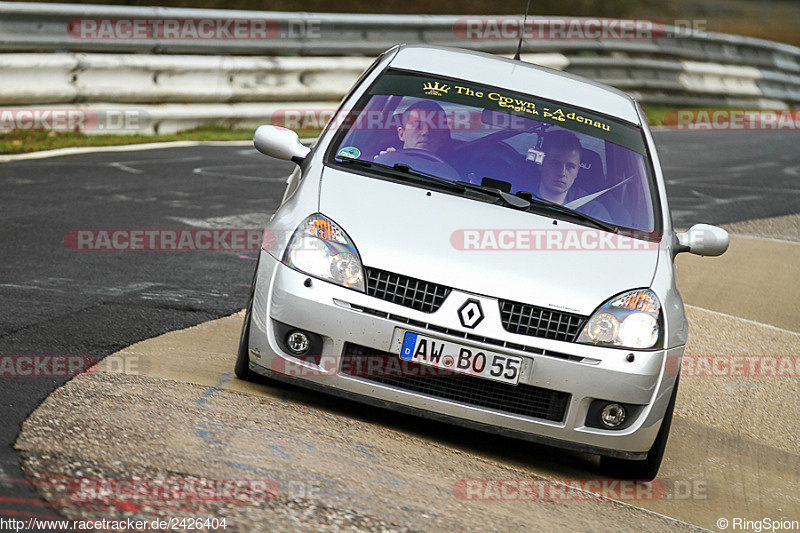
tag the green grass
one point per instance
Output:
(667, 115)
(656, 114)
(663, 115)
(18, 142)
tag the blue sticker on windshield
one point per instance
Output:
(409, 341)
(350, 152)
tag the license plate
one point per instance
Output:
(462, 359)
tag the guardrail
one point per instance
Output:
(34, 26)
(236, 73)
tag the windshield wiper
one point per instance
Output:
(405, 170)
(508, 200)
(571, 212)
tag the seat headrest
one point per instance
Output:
(591, 177)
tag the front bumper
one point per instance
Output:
(336, 313)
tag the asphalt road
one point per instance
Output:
(56, 301)
(720, 177)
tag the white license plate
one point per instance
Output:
(462, 359)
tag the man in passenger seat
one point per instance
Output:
(562, 161)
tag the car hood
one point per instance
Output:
(421, 233)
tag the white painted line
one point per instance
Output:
(119, 148)
(793, 171)
(208, 171)
(125, 168)
(770, 326)
(248, 220)
(128, 148)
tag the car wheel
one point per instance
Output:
(645, 469)
(242, 368)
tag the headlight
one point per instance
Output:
(630, 320)
(321, 248)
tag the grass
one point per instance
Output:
(23, 141)
(18, 142)
(660, 115)
(668, 116)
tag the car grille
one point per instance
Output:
(404, 290)
(464, 334)
(521, 399)
(525, 319)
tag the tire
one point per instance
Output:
(242, 367)
(644, 469)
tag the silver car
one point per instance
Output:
(484, 242)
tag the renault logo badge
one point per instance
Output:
(470, 313)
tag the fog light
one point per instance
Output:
(297, 342)
(613, 415)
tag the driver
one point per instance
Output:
(424, 127)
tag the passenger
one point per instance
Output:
(562, 161)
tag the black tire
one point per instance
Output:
(242, 367)
(645, 469)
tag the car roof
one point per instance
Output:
(518, 76)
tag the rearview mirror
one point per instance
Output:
(703, 239)
(280, 143)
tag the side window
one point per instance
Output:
(364, 75)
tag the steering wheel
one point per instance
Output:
(423, 154)
(502, 159)
(436, 164)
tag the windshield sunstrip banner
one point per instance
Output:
(500, 100)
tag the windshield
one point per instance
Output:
(533, 148)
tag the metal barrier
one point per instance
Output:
(228, 78)
(33, 26)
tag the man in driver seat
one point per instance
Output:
(424, 127)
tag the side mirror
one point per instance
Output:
(280, 143)
(703, 239)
